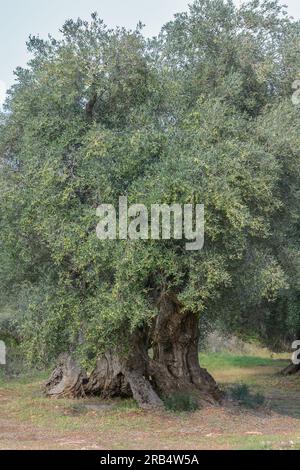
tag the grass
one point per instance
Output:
(28, 420)
(226, 360)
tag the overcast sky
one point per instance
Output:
(20, 18)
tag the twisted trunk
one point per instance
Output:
(67, 380)
(175, 365)
(163, 360)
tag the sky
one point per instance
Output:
(20, 18)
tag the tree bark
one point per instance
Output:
(67, 380)
(125, 377)
(175, 365)
(163, 359)
(107, 379)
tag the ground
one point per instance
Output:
(30, 421)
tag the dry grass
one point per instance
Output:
(30, 421)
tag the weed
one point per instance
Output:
(242, 394)
(180, 402)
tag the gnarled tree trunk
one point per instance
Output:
(67, 380)
(108, 379)
(163, 359)
(175, 365)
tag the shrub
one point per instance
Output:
(180, 402)
(242, 394)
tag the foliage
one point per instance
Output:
(201, 114)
